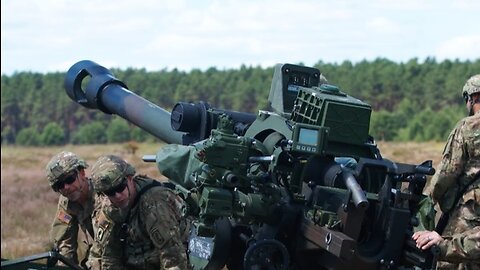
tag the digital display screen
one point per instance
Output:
(308, 136)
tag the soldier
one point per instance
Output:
(66, 175)
(152, 219)
(78, 205)
(456, 189)
(106, 221)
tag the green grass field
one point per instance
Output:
(28, 204)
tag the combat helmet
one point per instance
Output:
(109, 171)
(472, 86)
(61, 165)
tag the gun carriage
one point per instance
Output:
(300, 186)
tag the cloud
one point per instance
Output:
(42, 35)
(383, 25)
(466, 4)
(462, 47)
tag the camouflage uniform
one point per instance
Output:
(106, 252)
(153, 224)
(71, 216)
(154, 239)
(459, 165)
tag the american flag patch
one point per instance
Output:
(64, 217)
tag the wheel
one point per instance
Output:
(266, 254)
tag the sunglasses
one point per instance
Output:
(67, 180)
(118, 189)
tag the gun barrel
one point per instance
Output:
(358, 195)
(424, 170)
(105, 92)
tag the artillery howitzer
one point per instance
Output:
(302, 186)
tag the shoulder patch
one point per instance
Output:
(103, 221)
(64, 217)
(157, 238)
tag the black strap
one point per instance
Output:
(442, 222)
(140, 193)
(124, 226)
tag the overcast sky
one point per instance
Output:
(52, 35)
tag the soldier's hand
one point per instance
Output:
(426, 239)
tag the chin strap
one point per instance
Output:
(129, 197)
(83, 185)
(473, 101)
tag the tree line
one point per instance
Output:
(416, 100)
